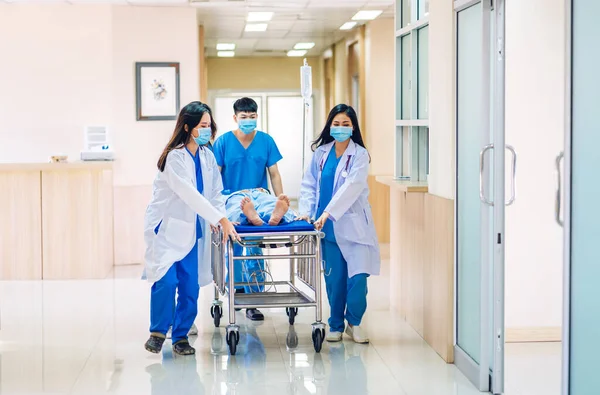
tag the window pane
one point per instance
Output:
(423, 8)
(398, 81)
(423, 73)
(423, 153)
(402, 153)
(406, 72)
(405, 12)
(399, 14)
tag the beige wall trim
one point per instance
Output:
(532, 335)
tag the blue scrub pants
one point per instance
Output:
(181, 279)
(347, 296)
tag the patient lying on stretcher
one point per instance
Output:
(258, 207)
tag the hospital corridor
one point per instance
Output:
(285, 197)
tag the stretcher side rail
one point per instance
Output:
(305, 265)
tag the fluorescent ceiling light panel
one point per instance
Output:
(256, 27)
(226, 54)
(348, 26)
(296, 53)
(366, 15)
(304, 46)
(259, 16)
(225, 47)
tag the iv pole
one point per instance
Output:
(306, 92)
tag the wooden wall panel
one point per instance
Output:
(422, 263)
(77, 224)
(380, 203)
(130, 208)
(20, 226)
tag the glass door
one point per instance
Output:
(582, 207)
(479, 350)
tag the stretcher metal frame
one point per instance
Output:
(305, 265)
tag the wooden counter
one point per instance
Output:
(57, 220)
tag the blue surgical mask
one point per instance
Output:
(204, 135)
(340, 133)
(247, 125)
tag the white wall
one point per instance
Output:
(147, 34)
(68, 66)
(380, 96)
(442, 68)
(56, 73)
(535, 127)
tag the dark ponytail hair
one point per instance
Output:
(189, 116)
(325, 136)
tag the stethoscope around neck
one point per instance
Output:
(345, 172)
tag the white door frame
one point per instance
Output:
(566, 200)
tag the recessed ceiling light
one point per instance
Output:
(366, 15)
(348, 26)
(304, 46)
(256, 27)
(225, 47)
(259, 16)
(296, 53)
(226, 54)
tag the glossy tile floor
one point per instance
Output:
(86, 337)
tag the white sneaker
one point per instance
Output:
(193, 331)
(356, 333)
(334, 337)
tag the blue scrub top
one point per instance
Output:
(327, 181)
(245, 168)
(200, 185)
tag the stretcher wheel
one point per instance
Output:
(318, 336)
(217, 313)
(233, 338)
(291, 312)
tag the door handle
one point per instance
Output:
(513, 184)
(558, 200)
(482, 195)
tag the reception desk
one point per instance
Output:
(56, 221)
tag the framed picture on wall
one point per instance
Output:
(157, 91)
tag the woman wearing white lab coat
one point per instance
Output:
(186, 198)
(335, 193)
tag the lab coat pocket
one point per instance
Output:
(178, 232)
(351, 228)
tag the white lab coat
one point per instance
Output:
(176, 202)
(349, 208)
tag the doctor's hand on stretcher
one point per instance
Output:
(319, 223)
(228, 230)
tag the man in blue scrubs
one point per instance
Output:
(245, 156)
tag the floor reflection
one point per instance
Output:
(175, 375)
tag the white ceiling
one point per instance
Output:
(294, 21)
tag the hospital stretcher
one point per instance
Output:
(305, 259)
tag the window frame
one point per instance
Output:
(413, 167)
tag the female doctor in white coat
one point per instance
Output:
(186, 198)
(335, 192)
